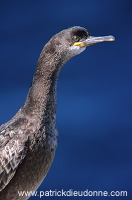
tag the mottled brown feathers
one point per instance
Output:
(28, 141)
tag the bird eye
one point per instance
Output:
(76, 38)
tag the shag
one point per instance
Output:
(28, 141)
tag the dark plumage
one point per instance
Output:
(28, 141)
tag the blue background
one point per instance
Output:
(94, 110)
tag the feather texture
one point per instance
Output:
(13, 148)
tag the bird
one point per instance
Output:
(28, 141)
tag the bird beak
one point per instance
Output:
(93, 40)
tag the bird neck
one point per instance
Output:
(41, 100)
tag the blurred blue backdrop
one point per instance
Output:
(94, 111)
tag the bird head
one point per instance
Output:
(73, 41)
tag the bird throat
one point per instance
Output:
(41, 99)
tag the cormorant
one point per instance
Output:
(28, 141)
